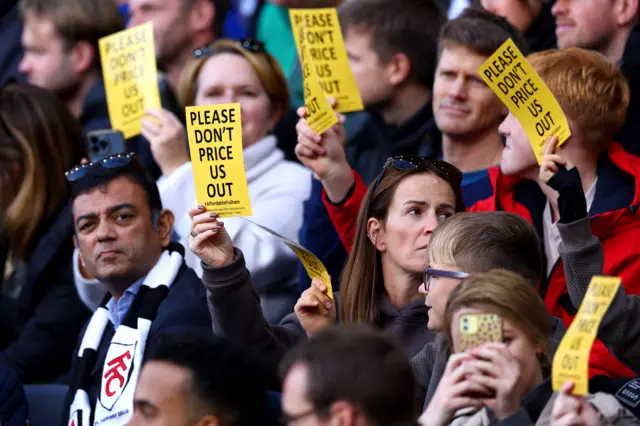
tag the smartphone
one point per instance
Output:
(104, 143)
(476, 329)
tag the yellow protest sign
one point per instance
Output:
(571, 361)
(130, 77)
(327, 54)
(320, 115)
(313, 265)
(521, 89)
(215, 143)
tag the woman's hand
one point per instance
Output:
(315, 309)
(498, 370)
(572, 410)
(453, 392)
(209, 239)
(324, 155)
(167, 138)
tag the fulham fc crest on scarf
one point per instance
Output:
(117, 372)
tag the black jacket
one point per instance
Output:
(10, 49)
(41, 314)
(630, 67)
(13, 403)
(184, 307)
(541, 35)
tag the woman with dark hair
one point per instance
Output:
(40, 312)
(380, 282)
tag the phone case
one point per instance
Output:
(476, 329)
(104, 143)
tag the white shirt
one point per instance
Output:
(552, 237)
(277, 189)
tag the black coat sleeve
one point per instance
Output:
(42, 351)
(13, 403)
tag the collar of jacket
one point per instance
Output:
(409, 137)
(413, 312)
(614, 208)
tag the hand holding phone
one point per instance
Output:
(104, 143)
(498, 370)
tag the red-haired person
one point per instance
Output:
(594, 96)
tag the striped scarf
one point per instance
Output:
(123, 362)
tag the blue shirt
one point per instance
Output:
(117, 309)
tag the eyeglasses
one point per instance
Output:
(112, 162)
(253, 46)
(287, 419)
(430, 273)
(409, 162)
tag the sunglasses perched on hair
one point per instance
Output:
(409, 162)
(115, 161)
(249, 45)
(429, 273)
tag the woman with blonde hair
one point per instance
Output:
(230, 71)
(491, 381)
(40, 312)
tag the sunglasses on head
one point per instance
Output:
(115, 161)
(249, 45)
(409, 162)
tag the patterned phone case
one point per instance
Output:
(476, 329)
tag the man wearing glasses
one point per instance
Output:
(470, 243)
(123, 236)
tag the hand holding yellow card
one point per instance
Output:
(320, 115)
(327, 54)
(130, 77)
(313, 265)
(528, 98)
(571, 361)
(215, 144)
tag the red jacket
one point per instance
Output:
(345, 217)
(614, 220)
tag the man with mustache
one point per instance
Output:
(609, 27)
(124, 239)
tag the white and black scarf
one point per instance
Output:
(123, 362)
